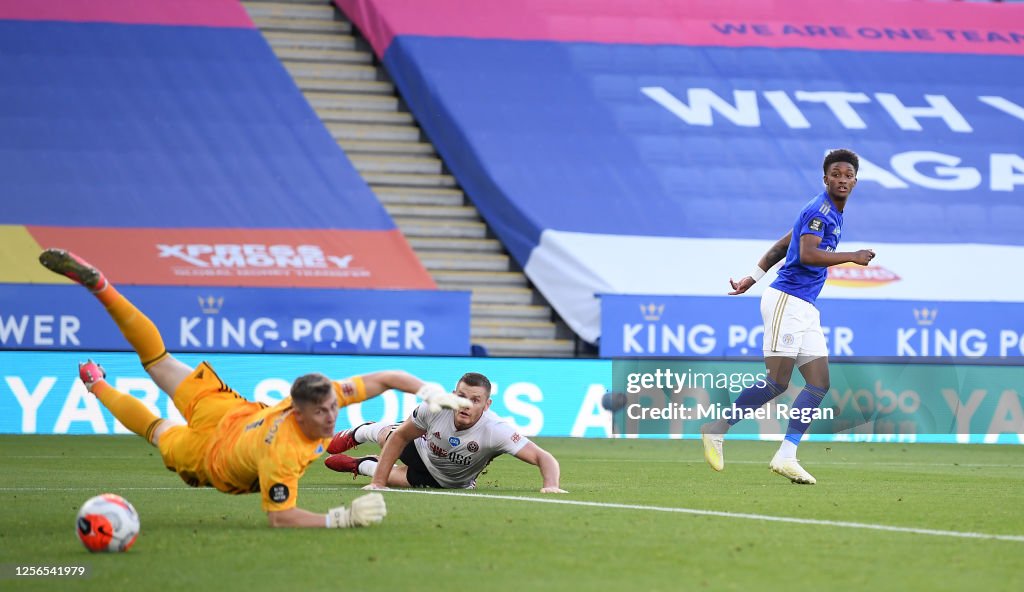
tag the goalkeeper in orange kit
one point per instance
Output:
(230, 443)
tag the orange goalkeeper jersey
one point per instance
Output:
(259, 448)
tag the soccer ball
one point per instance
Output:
(107, 524)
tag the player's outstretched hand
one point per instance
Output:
(90, 372)
(437, 398)
(372, 487)
(552, 490)
(741, 286)
(863, 256)
(366, 510)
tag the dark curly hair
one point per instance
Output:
(841, 155)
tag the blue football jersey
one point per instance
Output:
(820, 218)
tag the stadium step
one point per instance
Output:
(319, 2)
(419, 195)
(425, 245)
(507, 295)
(291, 10)
(467, 280)
(358, 104)
(409, 179)
(386, 163)
(541, 348)
(450, 260)
(440, 228)
(525, 329)
(293, 39)
(331, 71)
(323, 56)
(535, 312)
(364, 116)
(356, 101)
(328, 85)
(277, 24)
(371, 131)
(399, 148)
(435, 211)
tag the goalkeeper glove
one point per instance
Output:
(366, 510)
(437, 398)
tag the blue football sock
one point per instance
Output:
(809, 398)
(755, 396)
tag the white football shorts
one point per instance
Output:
(792, 327)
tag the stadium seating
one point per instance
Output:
(658, 147)
(167, 144)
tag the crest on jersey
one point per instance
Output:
(473, 447)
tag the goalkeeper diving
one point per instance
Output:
(230, 443)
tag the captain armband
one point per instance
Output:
(350, 391)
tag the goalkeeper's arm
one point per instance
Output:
(365, 510)
(376, 383)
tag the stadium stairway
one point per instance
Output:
(353, 97)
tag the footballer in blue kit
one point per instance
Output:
(819, 218)
(793, 337)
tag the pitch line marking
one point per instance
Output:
(692, 511)
(838, 463)
(628, 460)
(719, 514)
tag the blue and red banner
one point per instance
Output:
(167, 144)
(219, 319)
(655, 326)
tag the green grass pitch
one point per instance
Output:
(204, 540)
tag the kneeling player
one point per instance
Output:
(441, 448)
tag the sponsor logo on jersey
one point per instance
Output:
(851, 275)
(454, 441)
(452, 456)
(272, 432)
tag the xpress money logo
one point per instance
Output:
(254, 259)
